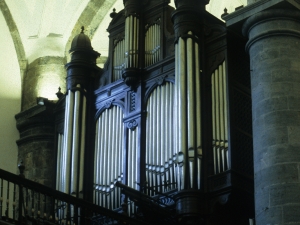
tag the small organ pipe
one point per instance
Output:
(199, 172)
(130, 42)
(137, 43)
(59, 160)
(126, 41)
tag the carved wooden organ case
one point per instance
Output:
(171, 110)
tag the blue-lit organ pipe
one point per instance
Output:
(131, 41)
(160, 169)
(118, 60)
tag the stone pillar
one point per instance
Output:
(42, 79)
(274, 48)
(36, 143)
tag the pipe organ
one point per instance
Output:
(163, 119)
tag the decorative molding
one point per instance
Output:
(132, 124)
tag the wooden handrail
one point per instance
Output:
(80, 203)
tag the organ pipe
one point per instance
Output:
(118, 60)
(159, 147)
(109, 159)
(70, 156)
(82, 144)
(75, 143)
(187, 112)
(219, 119)
(152, 44)
(132, 41)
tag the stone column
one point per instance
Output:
(274, 48)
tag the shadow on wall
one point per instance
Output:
(9, 134)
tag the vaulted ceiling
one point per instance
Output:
(36, 28)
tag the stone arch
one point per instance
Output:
(90, 18)
(15, 37)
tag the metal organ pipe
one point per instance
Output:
(182, 114)
(159, 136)
(59, 160)
(190, 106)
(82, 144)
(198, 114)
(152, 44)
(75, 143)
(118, 60)
(108, 157)
(187, 114)
(219, 119)
(68, 142)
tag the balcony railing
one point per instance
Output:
(26, 202)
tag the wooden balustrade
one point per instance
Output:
(26, 202)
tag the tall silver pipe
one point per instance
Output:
(162, 131)
(225, 115)
(96, 164)
(198, 95)
(167, 120)
(214, 121)
(102, 159)
(134, 23)
(113, 146)
(218, 138)
(126, 42)
(64, 150)
(82, 144)
(176, 103)
(182, 95)
(190, 103)
(69, 142)
(75, 143)
(221, 103)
